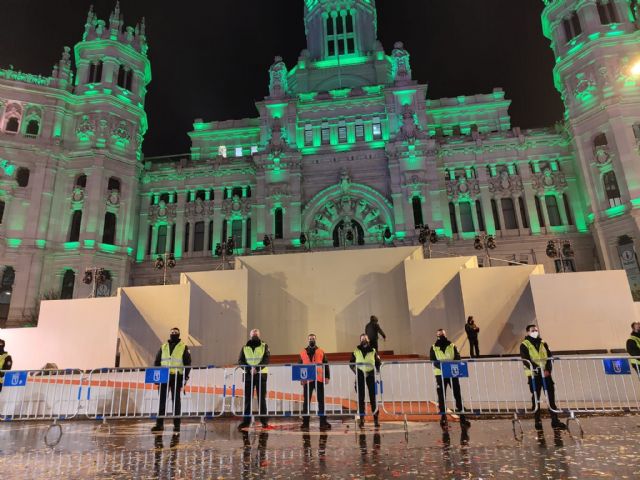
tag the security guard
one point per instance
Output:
(538, 370)
(5, 362)
(253, 356)
(314, 355)
(441, 351)
(365, 362)
(175, 355)
(633, 346)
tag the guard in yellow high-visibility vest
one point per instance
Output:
(538, 368)
(5, 362)
(254, 357)
(633, 347)
(175, 355)
(445, 350)
(364, 363)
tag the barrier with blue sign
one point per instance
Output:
(15, 379)
(616, 366)
(455, 370)
(156, 375)
(303, 373)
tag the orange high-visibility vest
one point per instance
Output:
(318, 357)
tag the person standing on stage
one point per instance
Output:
(472, 335)
(372, 330)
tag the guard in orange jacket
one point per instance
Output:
(313, 355)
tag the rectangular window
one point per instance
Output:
(198, 237)
(161, 246)
(342, 132)
(607, 12)
(254, 149)
(496, 217)
(539, 211)
(466, 219)
(377, 128)
(509, 214)
(186, 237)
(452, 218)
(480, 216)
(308, 135)
(210, 242)
(359, 129)
(325, 133)
(236, 233)
(552, 210)
(567, 207)
(523, 213)
(238, 151)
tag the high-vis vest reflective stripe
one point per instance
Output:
(632, 361)
(3, 357)
(318, 357)
(173, 359)
(538, 357)
(366, 364)
(254, 356)
(448, 354)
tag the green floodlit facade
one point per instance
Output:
(347, 148)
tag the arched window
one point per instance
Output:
(1, 210)
(452, 218)
(109, 231)
(201, 195)
(68, 284)
(95, 72)
(74, 230)
(12, 125)
(165, 197)
(236, 192)
(81, 181)
(553, 211)
(278, 223)
(198, 237)
(114, 184)
(466, 218)
(572, 27)
(611, 189)
(161, 244)
(22, 177)
(607, 12)
(33, 128)
(418, 220)
(509, 214)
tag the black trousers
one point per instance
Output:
(635, 367)
(369, 380)
(536, 384)
(257, 382)
(441, 386)
(175, 387)
(474, 347)
(374, 344)
(307, 391)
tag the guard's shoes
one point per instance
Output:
(157, 428)
(243, 425)
(376, 423)
(324, 425)
(265, 425)
(443, 422)
(538, 425)
(558, 425)
(361, 423)
(305, 425)
(464, 422)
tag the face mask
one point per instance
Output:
(1, 348)
(174, 337)
(312, 343)
(534, 334)
(364, 343)
(255, 338)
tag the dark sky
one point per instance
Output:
(210, 57)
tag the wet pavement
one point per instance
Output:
(609, 449)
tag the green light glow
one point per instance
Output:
(277, 109)
(71, 245)
(405, 96)
(343, 61)
(41, 243)
(615, 211)
(108, 248)
(89, 244)
(14, 242)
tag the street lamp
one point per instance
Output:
(560, 249)
(485, 242)
(267, 241)
(224, 250)
(305, 241)
(94, 276)
(163, 262)
(428, 237)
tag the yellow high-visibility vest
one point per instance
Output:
(253, 356)
(538, 357)
(173, 359)
(635, 361)
(448, 354)
(365, 363)
(3, 357)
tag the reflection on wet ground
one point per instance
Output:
(609, 449)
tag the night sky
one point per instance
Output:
(210, 58)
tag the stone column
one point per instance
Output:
(474, 216)
(154, 239)
(458, 222)
(545, 212)
(503, 227)
(516, 206)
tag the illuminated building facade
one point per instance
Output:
(347, 150)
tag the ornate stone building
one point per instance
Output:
(347, 151)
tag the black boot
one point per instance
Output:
(376, 423)
(305, 423)
(556, 424)
(361, 422)
(464, 423)
(538, 422)
(443, 421)
(176, 425)
(245, 423)
(158, 427)
(324, 424)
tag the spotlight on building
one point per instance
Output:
(491, 242)
(159, 263)
(477, 243)
(567, 249)
(551, 251)
(171, 261)
(88, 277)
(634, 70)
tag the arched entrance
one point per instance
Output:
(348, 234)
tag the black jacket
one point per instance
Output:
(364, 351)
(372, 330)
(311, 352)
(442, 345)
(632, 347)
(265, 358)
(472, 333)
(8, 363)
(524, 353)
(186, 357)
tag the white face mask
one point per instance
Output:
(534, 334)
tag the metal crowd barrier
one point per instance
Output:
(285, 393)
